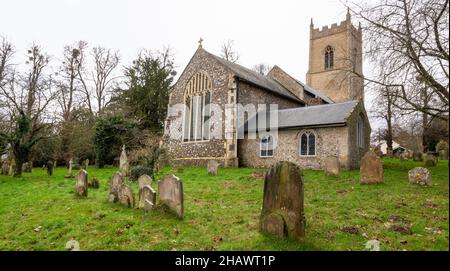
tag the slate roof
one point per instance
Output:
(314, 92)
(256, 78)
(334, 114)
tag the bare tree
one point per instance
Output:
(262, 68)
(68, 82)
(26, 97)
(97, 84)
(228, 52)
(409, 40)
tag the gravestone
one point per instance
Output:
(143, 181)
(27, 167)
(69, 170)
(282, 212)
(404, 156)
(171, 194)
(442, 149)
(417, 156)
(420, 175)
(12, 167)
(123, 163)
(126, 196)
(430, 160)
(5, 168)
(94, 183)
(332, 166)
(81, 184)
(371, 169)
(49, 167)
(114, 187)
(86, 164)
(212, 167)
(149, 198)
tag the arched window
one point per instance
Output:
(197, 100)
(266, 146)
(307, 144)
(329, 57)
(360, 131)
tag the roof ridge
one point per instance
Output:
(320, 105)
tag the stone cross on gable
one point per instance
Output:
(200, 42)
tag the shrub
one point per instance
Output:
(138, 171)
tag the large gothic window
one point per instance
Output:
(307, 144)
(197, 100)
(266, 146)
(329, 57)
(360, 131)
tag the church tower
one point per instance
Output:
(335, 61)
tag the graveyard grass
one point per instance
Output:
(222, 213)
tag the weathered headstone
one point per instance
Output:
(49, 166)
(213, 167)
(420, 175)
(114, 187)
(332, 166)
(81, 184)
(69, 170)
(86, 164)
(417, 156)
(282, 213)
(124, 165)
(403, 156)
(442, 149)
(171, 194)
(94, 183)
(371, 169)
(27, 167)
(430, 160)
(5, 167)
(12, 167)
(143, 181)
(126, 196)
(149, 198)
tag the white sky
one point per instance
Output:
(273, 32)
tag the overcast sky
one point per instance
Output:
(272, 32)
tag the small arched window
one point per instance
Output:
(329, 57)
(307, 144)
(266, 146)
(197, 99)
(360, 131)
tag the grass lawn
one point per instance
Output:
(222, 213)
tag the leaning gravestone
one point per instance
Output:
(371, 169)
(69, 171)
(430, 160)
(213, 167)
(149, 197)
(171, 194)
(420, 175)
(114, 187)
(123, 163)
(5, 168)
(126, 196)
(417, 156)
(81, 184)
(282, 212)
(143, 181)
(86, 164)
(332, 166)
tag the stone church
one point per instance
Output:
(314, 120)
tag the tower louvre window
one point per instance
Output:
(329, 57)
